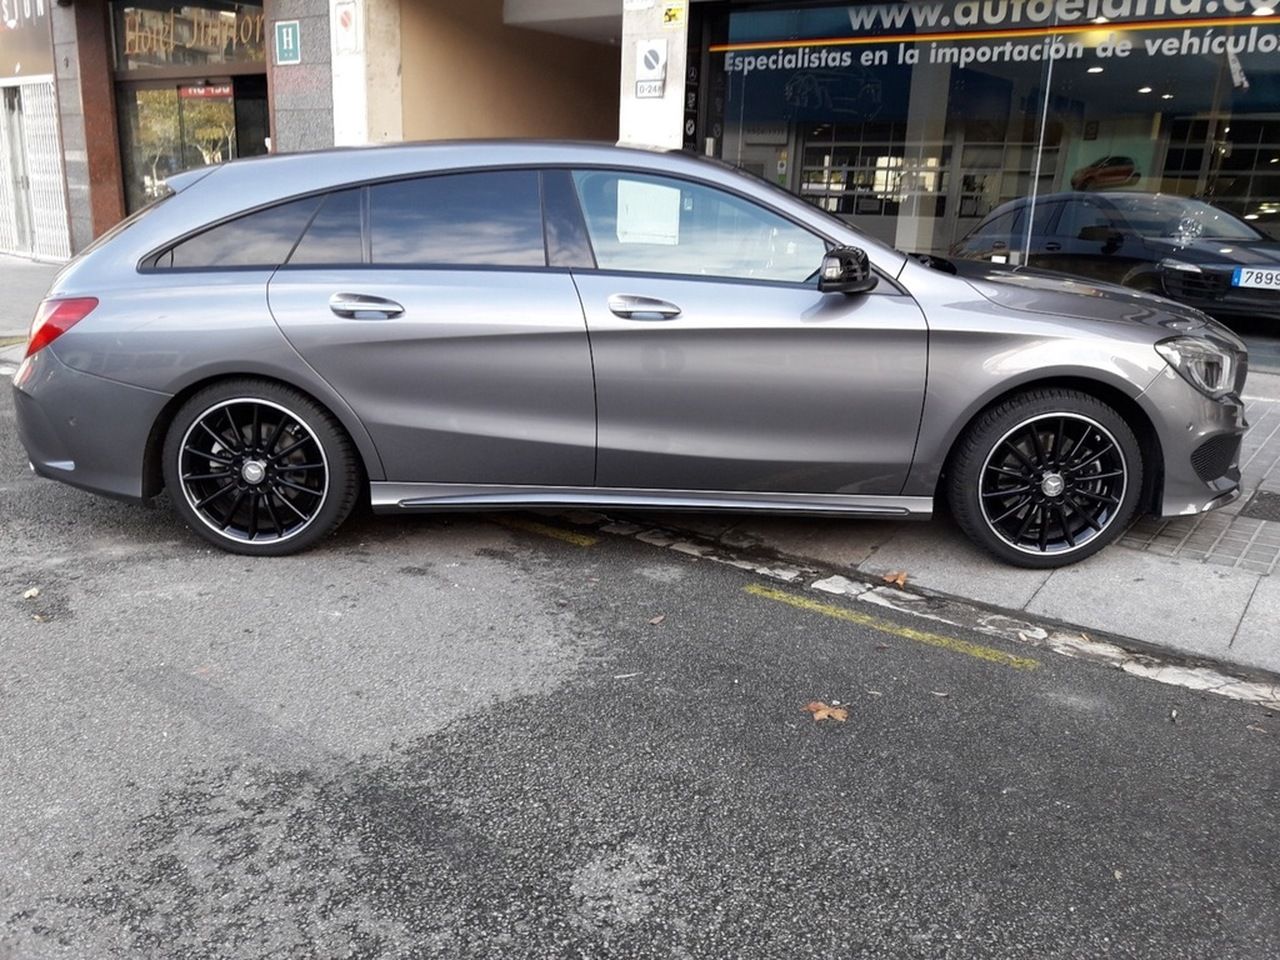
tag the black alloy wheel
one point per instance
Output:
(1053, 483)
(257, 472)
(1047, 478)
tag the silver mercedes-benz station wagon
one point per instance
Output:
(503, 324)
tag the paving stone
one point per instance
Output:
(1193, 608)
(937, 556)
(1257, 642)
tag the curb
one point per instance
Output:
(1132, 656)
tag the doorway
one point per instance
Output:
(33, 201)
(174, 125)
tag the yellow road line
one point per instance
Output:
(532, 526)
(954, 644)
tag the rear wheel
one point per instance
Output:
(1046, 478)
(257, 468)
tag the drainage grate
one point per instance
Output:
(1263, 505)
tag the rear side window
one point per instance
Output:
(261, 239)
(492, 218)
(334, 236)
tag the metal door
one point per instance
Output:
(33, 200)
(46, 192)
(15, 233)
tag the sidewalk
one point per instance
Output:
(24, 283)
(1203, 587)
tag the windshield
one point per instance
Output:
(1178, 218)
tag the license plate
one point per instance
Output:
(1261, 279)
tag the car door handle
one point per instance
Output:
(353, 305)
(642, 308)
(1053, 245)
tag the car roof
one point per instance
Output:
(210, 195)
(1104, 196)
(315, 169)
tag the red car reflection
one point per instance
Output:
(1106, 172)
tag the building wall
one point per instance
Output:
(301, 95)
(467, 74)
(75, 155)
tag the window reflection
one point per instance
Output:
(653, 224)
(479, 218)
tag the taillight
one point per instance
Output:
(56, 317)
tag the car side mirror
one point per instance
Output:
(846, 270)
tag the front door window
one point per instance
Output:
(652, 224)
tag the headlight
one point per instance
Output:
(1206, 366)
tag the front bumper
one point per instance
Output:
(1200, 442)
(1211, 292)
(82, 429)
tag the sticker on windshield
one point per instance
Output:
(648, 213)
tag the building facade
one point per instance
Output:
(33, 199)
(1015, 127)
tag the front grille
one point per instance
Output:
(1216, 456)
(1185, 285)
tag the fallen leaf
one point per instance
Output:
(821, 711)
(898, 578)
(1118, 874)
(658, 619)
(1255, 728)
(31, 594)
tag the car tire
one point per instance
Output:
(258, 468)
(1046, 478)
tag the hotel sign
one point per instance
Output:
(188, 35)
(26, 44)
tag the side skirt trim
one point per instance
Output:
(394, 497)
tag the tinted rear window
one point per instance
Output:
(261, 239)
(491, 218)
(334, 236)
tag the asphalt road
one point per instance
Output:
(454, 738)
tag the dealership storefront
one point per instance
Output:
(915, 121)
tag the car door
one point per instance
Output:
(720, 366)
(428, 305)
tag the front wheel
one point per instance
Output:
(1046, 478)
(258, 468)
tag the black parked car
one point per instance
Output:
(1184, 249)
